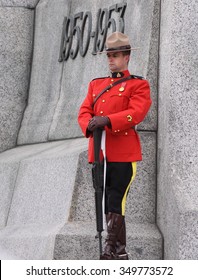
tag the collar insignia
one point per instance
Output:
(117, 74)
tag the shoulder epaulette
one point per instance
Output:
(137, 77)
(100, 78)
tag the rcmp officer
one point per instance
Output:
(117, 111)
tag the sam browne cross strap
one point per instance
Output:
(114, 84)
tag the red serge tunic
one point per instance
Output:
(126, 105)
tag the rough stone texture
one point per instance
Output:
(8, 173)
(11, 163)
(9, 168)
(40, 185)
(28, 242)
(46, 73)
(15, 61)
(144, 62)
(178, 129)
(77, 241)
(36, 196)
(19, 3)
(57, 89)
(42, 190)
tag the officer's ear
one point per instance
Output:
(127, 57)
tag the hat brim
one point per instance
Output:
(117, 50)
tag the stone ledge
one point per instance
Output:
(76, 240)
(26, 242)
(24, 178)
(73, 241)
(19, 3)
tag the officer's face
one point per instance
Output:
(117, 61)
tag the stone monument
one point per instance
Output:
(48, 55)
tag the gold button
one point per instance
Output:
(94, 94)
(115, 130)
(120, 94)
(107, 90)
(101, 112)
(103, 100)
(112, 80)
(118, 130)
(126, 133)
(129, 117)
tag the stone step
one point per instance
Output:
(28, 241)
(50, 183)
(76, 241)
(37, 181)
(73, 241)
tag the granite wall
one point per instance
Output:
(16, 42)
(40, 97)
(177, 203)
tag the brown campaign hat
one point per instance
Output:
(117, 42)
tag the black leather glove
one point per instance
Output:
(98, 121)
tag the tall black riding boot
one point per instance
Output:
(114, 224)
(121, 253)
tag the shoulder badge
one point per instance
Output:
(137, 77)
(100, 78)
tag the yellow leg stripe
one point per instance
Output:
(134, 168)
